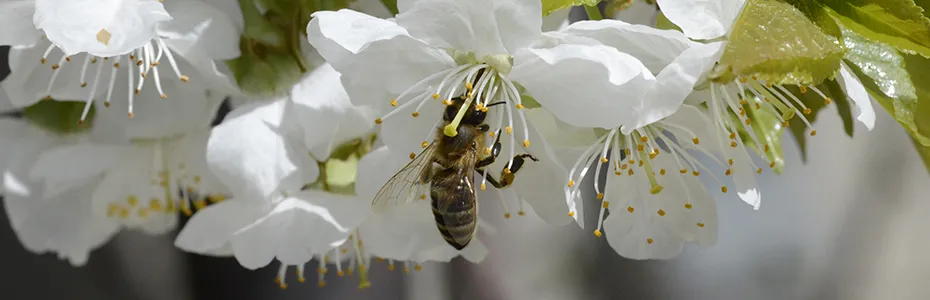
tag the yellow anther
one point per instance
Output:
(132, 200)
(732, 144)
(743, 80)
(155, 204)
(765, 148)
(643, 139)
(413, 155)
(55, 67)
(184, 78)
(340, 273)
(683, 171)
(640, 147)
(406, 270)
(469, 95)
(164, 96)
(688, 205)
(526, 143)
(519, 106)
(447, 102)
(624, 166)
(469, 86)
(768, 84)
(730, 161)
(742, 112)
(484, 187)
(507, 171)
(571, 214)
(759, 171)
(696, 173)
(43, 61)
(723, 189)
(571, 183)
(132, 115)
(422, 196)
(600, 196)
(630, 209)
(827, 101)
(728, 172)
(186, 210)
(630, 172)
(415, 114)
(696, 141)
(521, 213)
(748, 121)
(732, 135)
(759, 106)
(784, 124)
(617, 173)
(436, 96)
(661, 213)
(282, 285)
(487, 150)
(649, 241)
(699, 224)
(378, 121)
(807, 111)
(597, 232)
(508, 130)
(200, 204)
(813, 132)
(320, 283)
(417, 267)
(640, 163)
(143, 213)
(506, 215)
(394, 102)
(803, 89)
(772, 165)
(743, 102)
(277, 280)
(380, 259)
(216, 198)
(653, 154)
(424, 144)
(123, 212)
(322, 270)
(662, 171)
(604, 160)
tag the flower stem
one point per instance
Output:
(594, 13)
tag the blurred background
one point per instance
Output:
(850, 223)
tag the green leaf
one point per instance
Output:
(59, 116)
(899, 23)
(258, 28)
(919, 67)
(549, 6)
(391, 5)
(832, 90)
(885, 74)
(662, 22)
(776, 42)
(924, 152)
(769, 130)
(263, 70)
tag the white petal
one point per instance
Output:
(29, 79)
(403, 233)
(200, 28)
(231, 9)
(673, 84)
(77, 162)
(322, 107)
(583, 84)
(249, 153)
(363, 49)
(211, 228)
(654, 47)
(480, 26)
(102, 28)
(855, 91)
(187, 109)
(702, 19)
(557, 20)
(17, 28)
(541, 184)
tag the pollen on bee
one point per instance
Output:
(487, 150)
(696, 141)
(526, 143)
(507, 171)
(394, 102)
(600, 196)
(492, 134)
(415, 114)
(413, 155)
(378, 121)
(597, 232)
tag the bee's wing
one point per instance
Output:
(402, 188)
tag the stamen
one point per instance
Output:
(112, 81)
(84, 69)
(55, 72)
(129, 88)
(90, 97)
(171, 61)
(46, 53)
(280, 279)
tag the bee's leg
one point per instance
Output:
(495, 151)
(490, 178)
(508, 174)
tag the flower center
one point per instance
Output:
(482, 85)
(641, 149)
(170, 187)
(146, 60)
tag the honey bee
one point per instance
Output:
(447, 166)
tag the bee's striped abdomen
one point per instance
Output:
(455, 209)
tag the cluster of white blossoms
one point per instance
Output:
(292, 177)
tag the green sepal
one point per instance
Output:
(549, 6)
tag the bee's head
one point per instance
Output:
(473, 115)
